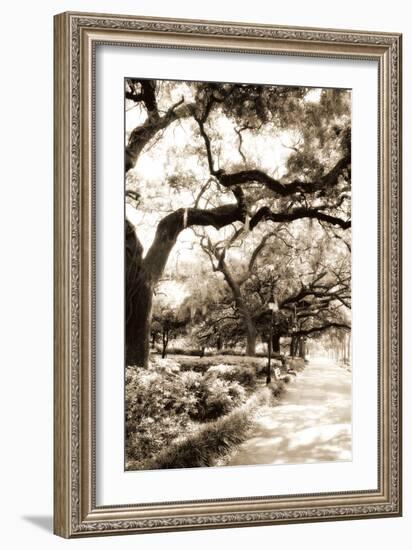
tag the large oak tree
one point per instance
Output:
(316, 184)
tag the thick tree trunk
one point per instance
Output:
(250, 338)
(141, 278)
(302, 348)
(138, 298)
(276, 343)
(297, 344)
(143, 274)
(293, 346)
(138, 324)
(219, 343)
(248, 323)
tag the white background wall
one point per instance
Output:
(26, 271)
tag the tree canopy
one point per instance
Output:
(237, 192)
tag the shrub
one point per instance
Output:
(164, 365)
(244, 375)
(217, 397)
(202, 364)
(287, 379)
(159, 403)
(195, 364)
(192, 381)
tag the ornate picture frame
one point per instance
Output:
(76, 511)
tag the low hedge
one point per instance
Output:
(213, 440)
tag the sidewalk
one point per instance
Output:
(312, 423)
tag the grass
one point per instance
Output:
(214, 440)
(211, 441)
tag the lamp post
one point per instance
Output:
(273, 306)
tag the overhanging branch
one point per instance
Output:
(265, 213)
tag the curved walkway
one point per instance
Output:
(312, 422)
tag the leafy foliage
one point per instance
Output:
(162, 401)
(243, 375)
(217, 397)
(158, 407)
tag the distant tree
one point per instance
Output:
(315, 295)
(169, 323)
(222, 327)
(243, 305)
(309, 276)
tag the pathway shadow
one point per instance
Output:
(312, 423)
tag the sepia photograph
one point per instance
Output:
(237, 274)
(227, 274)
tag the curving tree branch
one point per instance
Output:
(323, 328)
(265, 213)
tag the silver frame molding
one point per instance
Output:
(75, 38)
